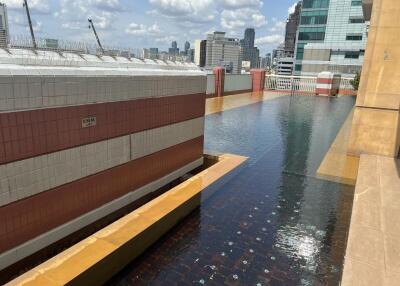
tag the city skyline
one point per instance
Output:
(152, 23)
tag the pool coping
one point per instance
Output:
(96, 259)
(373, 247)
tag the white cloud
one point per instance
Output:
(188, 10)
(278, 26)
(242, 18)
(165, 40)
(40, 6)
(142, 30)
(110, 5)
(74, 13)
(229, 4)
(292, 8)
(270, 39)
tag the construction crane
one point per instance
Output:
(30, 24)
(91, 26)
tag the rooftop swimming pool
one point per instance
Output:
(274, 222)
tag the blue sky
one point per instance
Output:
(152, 23)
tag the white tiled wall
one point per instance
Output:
(20, 92)
(28, 177)
(10, 257)
(154, 140)
(234, 82)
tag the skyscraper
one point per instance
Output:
(200, 52)
(249, 36)
(225, 52)
(292, 25)
(174, 50)
(250, 53)
(4, 33)
(268, 60)
(187, 48)
(332, 37)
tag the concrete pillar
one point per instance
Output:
(376, 122)
(219, 73)
(258, 78)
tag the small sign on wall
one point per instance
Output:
(89, 122)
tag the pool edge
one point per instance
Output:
(97, 258)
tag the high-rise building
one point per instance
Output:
(225, 52)
(249, 37)
(174, 50)
(4, 32)
(268, 60)
(200, 47)
(187, 48)
(250, 53)
(145, 54)
(332, 37)
(292, 26)
(191, 55)
(153, 53)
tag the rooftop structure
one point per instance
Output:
(285, 66)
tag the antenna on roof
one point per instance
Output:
(91, 26)
(30, 24)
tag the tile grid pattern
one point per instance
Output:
(35, 132)
(21, 92)
(28, 177)
(28, 218)
(54, 169)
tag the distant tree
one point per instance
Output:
(356, 81)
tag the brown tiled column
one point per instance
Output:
(219, 73)
(258, 78)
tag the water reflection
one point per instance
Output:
(273, 223)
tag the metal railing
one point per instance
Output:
(304, 84)
(291, 83)
(62, 46)
(57, 45)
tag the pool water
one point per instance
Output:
(274, 223)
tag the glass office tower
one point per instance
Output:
(332, 37)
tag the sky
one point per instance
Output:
(151, 23)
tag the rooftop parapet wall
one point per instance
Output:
(91, 133)
(27, 57)
(43, 79)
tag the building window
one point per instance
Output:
(354, 37)
(315, 4)
(352, 55)
(297, 67)
(314, 17)
(356, 20)
(311, 33)
(300, 51)
(356, 2)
